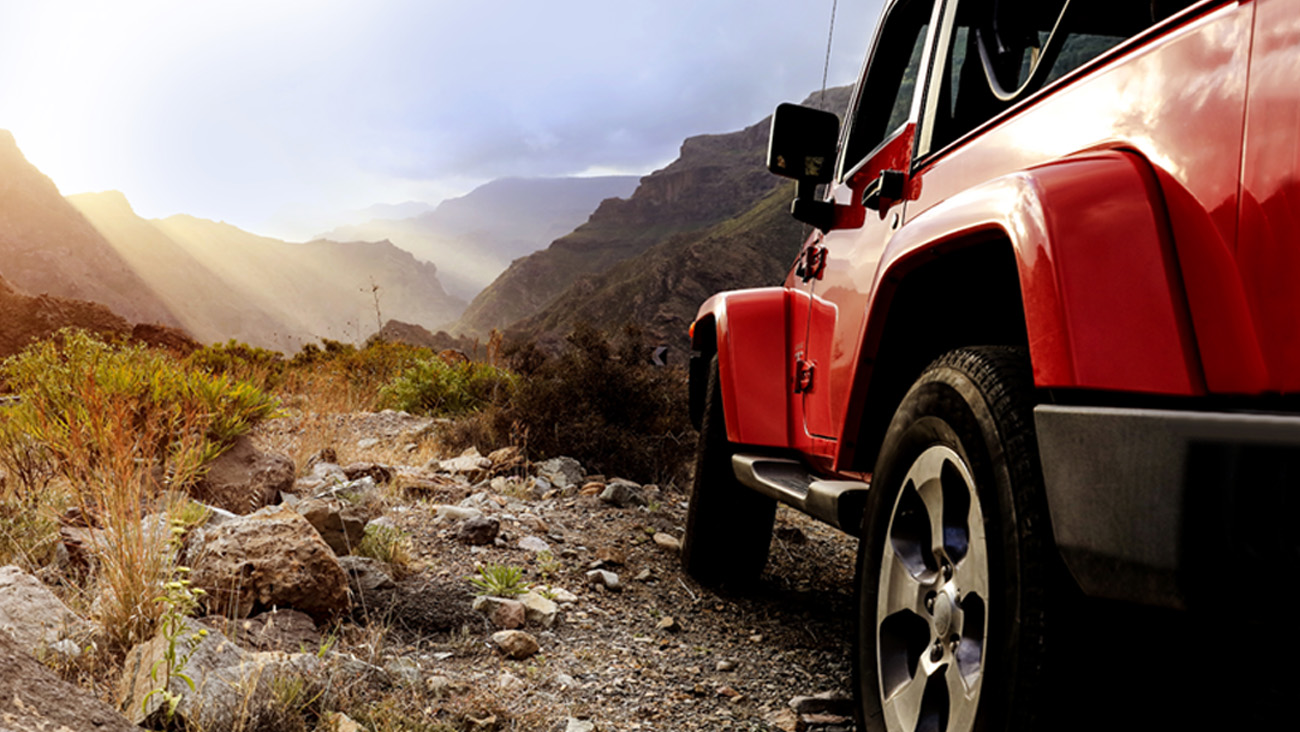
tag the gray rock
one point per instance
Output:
(455, 513)
(534, 544)
(563, 472)
(502, 612)
(380, 474)
(579, 725)
(285, 630)
(623, 494)
(340, 523)
(355, 488)
(828, 702)
(668, 541)
(34, 699)
(232, 687)
(538, 610)
(604, 578)
(479, 530)
(31, 615)
(367, 443)
(271, 558)
(243, 478)
(366, 575)
(515, 644)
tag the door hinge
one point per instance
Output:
(813, 263)
(803, 376)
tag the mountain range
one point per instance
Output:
(713, 219)
(474, 238)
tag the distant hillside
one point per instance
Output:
(26, 318)
(714, 219)
(46, 246)
(223, 282)
(662, 288)
(475, 237)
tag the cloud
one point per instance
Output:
(235, 110)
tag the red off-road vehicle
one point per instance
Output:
(1046, 325)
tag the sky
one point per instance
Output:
(280, 116)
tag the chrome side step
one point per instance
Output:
(837, 502)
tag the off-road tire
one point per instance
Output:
(964, 433)
(728, 526)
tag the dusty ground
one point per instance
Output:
(731, 663)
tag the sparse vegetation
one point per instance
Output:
(500, 580)
(388, 544)
(435, 387)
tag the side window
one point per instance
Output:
(1002, 51)
(885, 101)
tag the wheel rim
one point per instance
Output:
(932, 605)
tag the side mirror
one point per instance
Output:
(802, 147)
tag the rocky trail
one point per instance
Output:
(610, 635)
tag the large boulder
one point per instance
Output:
(31, 615)
(231, 688)
(244, 479)
(35, 700)
(270, 558)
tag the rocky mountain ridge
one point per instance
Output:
(708, 221)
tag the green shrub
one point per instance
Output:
(604, 404)
(390, 545)
(435, 387)
(241, 362)
(85, 401)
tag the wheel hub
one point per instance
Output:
(932, 600)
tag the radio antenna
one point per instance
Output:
(830, 35)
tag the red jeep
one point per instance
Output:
(1046, 324)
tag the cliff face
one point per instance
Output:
(716, 178)
(47, 246)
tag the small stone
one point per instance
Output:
(501, 612)
(730, 693)
(561, 595)
(565, 681)
(579, 725)
(534, 544)
(439, 686)
(623, 494)
(644, 575)
(604, 578)
(538, 610)
(340, 722)
(509, 681)
(455, 513)
(668, 541)
(367, 443)
(756, 638)
(785, 720)
(611, 556)
(516, 644)
(828, 702)
(563, 472)
(726, 666)
(479, 530)
(668, 623)
(592, 489)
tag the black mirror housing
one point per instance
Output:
(802, 143)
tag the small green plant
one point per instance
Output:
(179, 601)
(547, 564)
(388, 544)
(500, 580)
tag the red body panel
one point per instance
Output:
(1152, 199)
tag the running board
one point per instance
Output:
(837, 502)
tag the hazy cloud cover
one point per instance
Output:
(274, 114)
